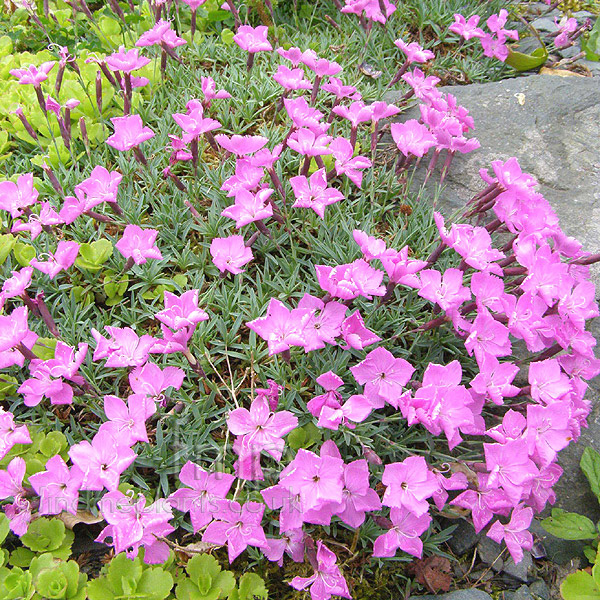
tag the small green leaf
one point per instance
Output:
(7, 243)
(569, 526)
(579, 586)
(590, 465)
(527, 62)
(590, 553)
(44, 348)
(23, 253)
(93, 256)
(227, 36)
(251, 586)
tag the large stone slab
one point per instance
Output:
(552, 125)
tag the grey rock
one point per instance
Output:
(582, 15)
(570, 51)
(463, 538)
(539, 590)
(520, 571)
(592, 65)
(460, 595)
(523, 593)
(545, 24)
(558, 551)
(489, 553)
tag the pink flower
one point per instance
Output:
(327, 580)
(290, 543)
(250, 207)
(241, 145)
(14, 197)
(127, 422)
(414, 52)
(404, 534)
(357, 497)
(57, 486)
(466, 29)
(423, 87)
(316, 479)
(11, 434)
(202, 496)
(209, 89)
(237, 526)
(132, 524)
(548, 383)
(515, 533)
(161, 34)
(230, 254)
(102, 461)
(400, 268)
(308, 143)
(126, 61)
(324, 323)
(355, 333)
(412, 138)
(281, 327)
(194, 123)
(487, 337)
(247, 177)
(291, 79)
(101, 186)
(17, 284)
(11, 479)
(260, 428)
(151, 380)
(345, 161)
(138, 244)
(314, 193)
(510, 468)
(336, 87)
(408, 484)
(383, 376)
(33, 75)
(444, 290)
(129, 132)
(13, 328)
(484, 503)
(182, 311)
(351, 280)
(253, 39)
(62, 259)
(358, 112)
(124, 348)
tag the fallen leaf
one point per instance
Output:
(81, 516)
(559, 72)
(434, 572)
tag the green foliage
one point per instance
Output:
(93, 256)
(48, 535)
(581, 585)
(591, 44)
(57, 580)
(527, 62)
(15, 584)
(569, 526)
(590, 465)
(127, 578)
(250, 587)
(206, 580)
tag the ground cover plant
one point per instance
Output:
(231, 324)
